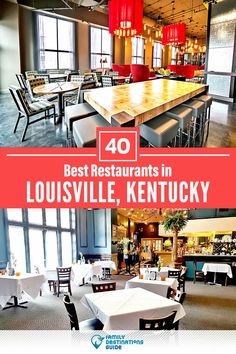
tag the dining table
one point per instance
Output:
(58, 88)
(217, 268)
(122, 309)
(159, 287)
(12, 287)
(136, 103)
(163, 271)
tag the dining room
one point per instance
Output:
(66, 70)
(117, 269)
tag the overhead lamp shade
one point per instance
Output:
(174, 34)
(125, 17)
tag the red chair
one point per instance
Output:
(140, 72)
(123, 70)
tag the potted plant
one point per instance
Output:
(175, 223)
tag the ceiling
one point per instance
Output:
(147, 215)
(192, 12)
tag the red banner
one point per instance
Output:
(118, 174)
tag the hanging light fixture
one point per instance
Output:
(174, 34)
(125, 17)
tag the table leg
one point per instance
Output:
(83, 282)
(15, 304)
(60, 109)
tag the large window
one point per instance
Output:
(56, 43)
(43, 238)
(137, 50)
(100, 48)
(173, 55)
(157, 55)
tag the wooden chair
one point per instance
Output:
(28, 110)
(157, 324)
(92, 324)
(182, 278)
(98, 288)
(174, 274)
(175, 295)
(63, 279)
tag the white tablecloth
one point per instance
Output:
(163, 271)
(106, 264)
(79, 272)
(13, 286)
(217, 268)
(156, 286)
(121, 309)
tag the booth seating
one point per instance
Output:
(160, 131)
(84, 130)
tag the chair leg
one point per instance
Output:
(25, 130)
(17, 122)
(69, 289)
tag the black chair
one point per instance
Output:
(63, 279)
(157, 324)
(182, 278)
(22, 82)
(98, 288)
(175, 295)
(174, 274)
(92, 324)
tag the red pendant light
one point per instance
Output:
(174, 34)
(125, 17)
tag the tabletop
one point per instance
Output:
(162, 271)
(142, 100)
(56, 87)
(156, 286)
(217, 268)
(106, 264)
(121, 309)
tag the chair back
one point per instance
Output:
(179, 297)
(63, 274)
(77, 78)
(20, 100)
(174, 274)
(157, 324)
(140, 72)
(71, 311)
(53, 71)
(21, 81)
(171, 293)
(183, 271)
(30, 74)
(46, 77)
(106, 80)
(98, 288)
(32, 83)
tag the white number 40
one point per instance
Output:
(122, 146)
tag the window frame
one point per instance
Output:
(156, 58)
(100, 54)
(73, 51)
(138, 56)
(44, 228)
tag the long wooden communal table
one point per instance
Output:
(133, 104)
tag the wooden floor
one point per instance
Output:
(45, 134)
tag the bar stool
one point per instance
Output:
(198, 108)
(84, 130)
(77, 112)
(184, 116)
(160, 130)
(207, 114)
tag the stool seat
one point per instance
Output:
(160, 130)
(84, 130)
(182, 114)
(76, 112)
(206, 99)
(196, 106)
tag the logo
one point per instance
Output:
(97, 340)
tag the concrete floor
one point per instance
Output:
(45, 134)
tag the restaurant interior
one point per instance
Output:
(117, 269)
(70, 66)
